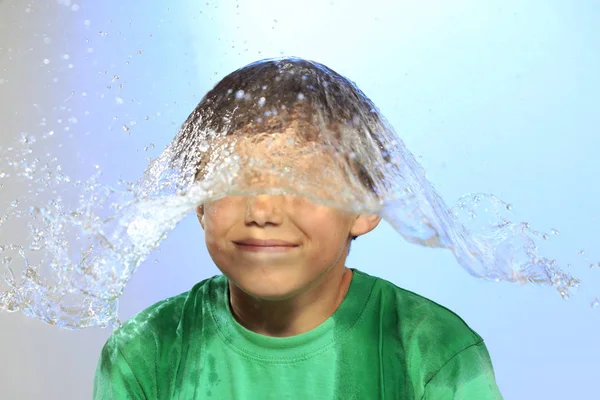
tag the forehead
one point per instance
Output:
(285, 160)
(288, 157)
(280, 160)
(283, 148)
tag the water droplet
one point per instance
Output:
(75, 7)
(261, 101)
(87, 22)
(66, 56)
(300, 96)
(509, 207)
(239, 94)
(103, 34)
(119, 100)
(554, 232)
(563, 294)
(595, 303)
(581, 252)
(46, 61)
(138, 52)
(125, 128)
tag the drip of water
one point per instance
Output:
(289, 127)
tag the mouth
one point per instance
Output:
(267, 246)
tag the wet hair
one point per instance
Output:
(269, 95)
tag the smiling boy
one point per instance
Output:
(287, 319)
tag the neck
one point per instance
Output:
(296, 315)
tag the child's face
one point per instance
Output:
(310, 240)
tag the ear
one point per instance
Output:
(200, 214)
(364, 223)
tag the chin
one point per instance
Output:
(269, 287)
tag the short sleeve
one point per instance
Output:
(468, 375)
(114, 377)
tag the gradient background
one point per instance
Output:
(499, 97)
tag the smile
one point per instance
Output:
(265, 246)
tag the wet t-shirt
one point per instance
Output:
(383, 342)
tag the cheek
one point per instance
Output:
(215, 234)
(218, 221)
(326, 231)
(220, 214)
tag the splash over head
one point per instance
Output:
(277, 126)
(286, 125)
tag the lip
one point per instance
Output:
(264, 245)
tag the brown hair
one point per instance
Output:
(271, 94)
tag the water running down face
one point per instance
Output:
(278, 246)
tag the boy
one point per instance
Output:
(287, 319)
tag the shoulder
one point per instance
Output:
(418, 315)
(157, 337)
(162, 319)
(426, 329)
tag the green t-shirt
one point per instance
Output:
(383, 342)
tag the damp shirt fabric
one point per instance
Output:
(383, 342)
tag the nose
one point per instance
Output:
(263, 210)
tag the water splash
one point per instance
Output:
(285, 126)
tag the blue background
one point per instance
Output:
(499, 97)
